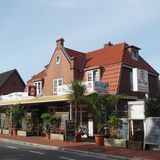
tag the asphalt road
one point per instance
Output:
(11, 151)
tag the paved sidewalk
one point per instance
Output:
(87, 147)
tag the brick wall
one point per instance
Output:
(55, 71)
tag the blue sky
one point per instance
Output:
(29, 29)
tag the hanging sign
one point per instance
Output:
(140, 80)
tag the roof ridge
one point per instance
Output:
(74, 50)
(115, 45)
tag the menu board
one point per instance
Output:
(123, 128)
(70, 131)
(152, 130)
(64, 117)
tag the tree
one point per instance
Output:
(114, 99)
(153, 108)
(99, 106)
(17, 114)
(77, 91)
(48, 121)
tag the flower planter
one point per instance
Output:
(57, 137)
(99, 139)
(6, 131)
(115, 142)
(22, 133)
(137, 145)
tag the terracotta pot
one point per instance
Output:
(78, 137)
(14, 131)
(47, 136)
(99, 139)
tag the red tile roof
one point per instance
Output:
(105, 56)
(115, 54)
(37, 77)
(79, 57)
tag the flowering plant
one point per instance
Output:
(58, 131)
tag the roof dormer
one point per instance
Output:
(134, 51)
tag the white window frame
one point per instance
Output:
(131, 81)
(58, 60)
(57, 83)
(38, 85)
(90, 75)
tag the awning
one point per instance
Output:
(35, 100)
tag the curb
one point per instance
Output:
(112, 157)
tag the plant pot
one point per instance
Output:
(78, 137)
(47, 136)
(99, 139)
(14, 131)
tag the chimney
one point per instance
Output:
(108, 44)
(60, 42)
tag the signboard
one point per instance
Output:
(90, 127)
(152, 135)
(32, 91)
(64, 117)
(140, 80)
(96, 86)
(123, 128)
(92, 86)
(136, 110)
(70, 131)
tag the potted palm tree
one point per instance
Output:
(16, 114)
(77, 91)
(95, 106)
(48, 122)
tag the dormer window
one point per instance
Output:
(135, 54)
(58, 60)
(93, 75)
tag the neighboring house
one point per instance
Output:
(38, 81)
(119, 66)
(10, 82)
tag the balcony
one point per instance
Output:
(92, 86)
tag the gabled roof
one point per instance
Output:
(37, 77)
(79, 57)
(6, 75)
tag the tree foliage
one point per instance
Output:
(17, 114)
(77, 91)
(153, 108)
(48, 121)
